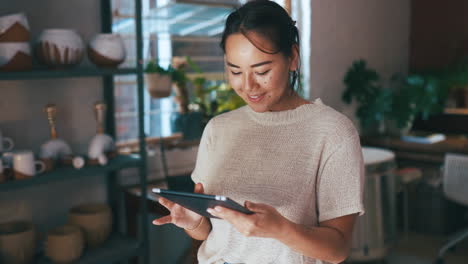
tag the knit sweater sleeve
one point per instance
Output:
(341, 180)
(204, 151)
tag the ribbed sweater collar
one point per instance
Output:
(283, 117)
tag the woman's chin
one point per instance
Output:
(258, 108)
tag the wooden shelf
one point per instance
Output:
(117, 248)
(117, 163)
(44, 73)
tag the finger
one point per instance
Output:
(226, 213)
(254, 207)
(166, 203)
(199, 188)
(163, 220)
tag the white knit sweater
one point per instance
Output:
(306, 162)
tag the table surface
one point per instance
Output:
(420, 152)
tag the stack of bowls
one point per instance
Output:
(15, 50)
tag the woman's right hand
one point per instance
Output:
(179, 215)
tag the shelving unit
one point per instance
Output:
(118, 248)
(41, 73)
(67, 173)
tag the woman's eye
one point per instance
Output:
(262, 73)
(235, 73)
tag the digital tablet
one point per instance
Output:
(200, 202)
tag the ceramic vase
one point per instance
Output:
(15, 56)
(59, 48)
(14, 28)
(106, 50)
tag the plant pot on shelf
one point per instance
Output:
(158, 85)
(17, 242)
(64, 244)
(95, 220)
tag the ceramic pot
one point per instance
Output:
(59, 48)
(17, 242)
(14, 28)
(158, 85)
(64, 244)
(106, 50)
(95, 220)
(15, 56)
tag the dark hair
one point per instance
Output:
(269, 20)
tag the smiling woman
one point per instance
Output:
(296, 164)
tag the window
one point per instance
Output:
(171, 29)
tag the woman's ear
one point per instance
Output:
(294, 58)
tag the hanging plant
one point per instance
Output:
(158, 80)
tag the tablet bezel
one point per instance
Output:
(199, 203)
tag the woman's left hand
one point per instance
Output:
(265, 222)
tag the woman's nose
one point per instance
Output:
(249, 83)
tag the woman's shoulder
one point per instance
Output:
(229, 117)
(332, 121)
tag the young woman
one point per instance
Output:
(296, 164)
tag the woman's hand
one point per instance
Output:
(265, 222)
(179, 215)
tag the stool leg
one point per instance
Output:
(405, 211)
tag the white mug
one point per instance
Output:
(6, 144)
(24, 164)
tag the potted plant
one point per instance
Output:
(158, 80)
(415, 94)
(374, 102)
(392, 110)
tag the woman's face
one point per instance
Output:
(261, 79)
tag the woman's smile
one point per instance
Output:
(255, 98)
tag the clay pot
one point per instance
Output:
(95, 220)
(106, 50)
(15, 56)
(59, 48)
(14, 28)
(64, 244)
(17, 242)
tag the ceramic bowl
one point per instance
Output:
(106, 50)
(64, 244)
(17, 242)
(15, 56)
(95, 220)
(14, 28)
(58, 48)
